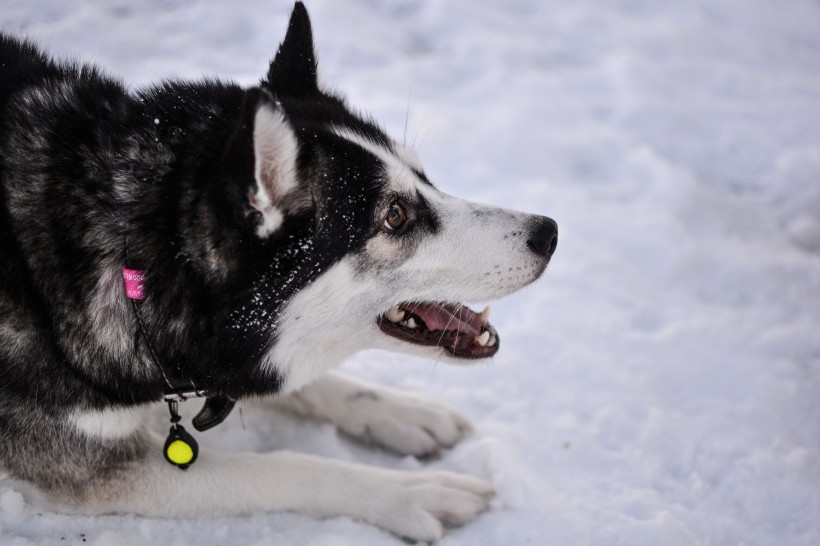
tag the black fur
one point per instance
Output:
(94, 177)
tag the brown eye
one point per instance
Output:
(396, 217)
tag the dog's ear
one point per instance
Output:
(265, 146)
(293, 71)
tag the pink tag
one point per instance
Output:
(134, 283)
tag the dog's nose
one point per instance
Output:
(543, 236)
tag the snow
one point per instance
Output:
(660, 385)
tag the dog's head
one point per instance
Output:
(364, 252)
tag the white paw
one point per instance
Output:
(419, 505)
(405, 423)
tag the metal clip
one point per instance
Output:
(183, 396)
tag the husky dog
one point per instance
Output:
(276, 233)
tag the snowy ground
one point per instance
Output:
(661, 385)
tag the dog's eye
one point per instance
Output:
(396, 217)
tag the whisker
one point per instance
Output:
(445, 330)
(415, 137)
(426, 134)
(458, 328)
(407, 115)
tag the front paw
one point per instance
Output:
(420, 505)
(404, 423)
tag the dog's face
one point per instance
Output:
(388, 259)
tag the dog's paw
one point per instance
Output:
(420, 505)
(404, 423)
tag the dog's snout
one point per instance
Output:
(543, 237)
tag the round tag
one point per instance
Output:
(180, 448)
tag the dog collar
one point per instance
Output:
(180, 449)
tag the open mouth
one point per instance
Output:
(454, 327)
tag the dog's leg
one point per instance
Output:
(416, 505)
(405, 423)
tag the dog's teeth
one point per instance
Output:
(483, 338)
(411, 323)
(491, 342)
(395, 315)
(485, 314)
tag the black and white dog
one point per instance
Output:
(273, 233)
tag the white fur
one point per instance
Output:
(109, 423)
(275, 150)
(416, 505)
(108, 312)
(272, 219)
(409, 156)
(324, 301)
(408, 424)
(479, 254)
(330, 320)
(401, 177)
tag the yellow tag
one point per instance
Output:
(179, 452)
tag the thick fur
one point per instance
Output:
(258, 215)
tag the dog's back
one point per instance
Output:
(22, 65)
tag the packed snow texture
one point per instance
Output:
(661, 383)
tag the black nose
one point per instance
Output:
(543, 236)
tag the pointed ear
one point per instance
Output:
(265, 139)
(293, 71)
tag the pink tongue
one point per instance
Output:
(447, 317)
